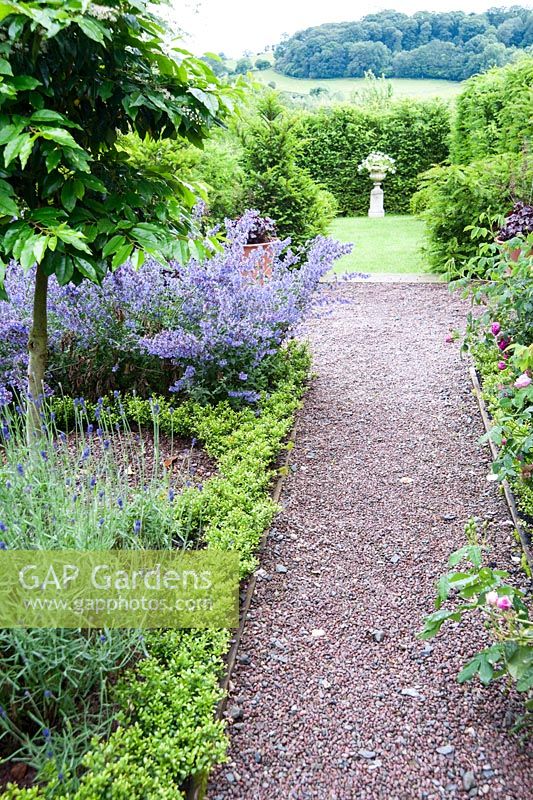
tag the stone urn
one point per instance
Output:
(376, 208)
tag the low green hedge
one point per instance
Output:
(167, 729)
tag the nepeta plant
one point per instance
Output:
(205, 328)
(261, 229)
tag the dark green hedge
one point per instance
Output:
(336, 140)
(494, 114)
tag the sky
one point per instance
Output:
(233, 26)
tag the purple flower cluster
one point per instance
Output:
(202, 327)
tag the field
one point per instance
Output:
(390, 244)
(402, 87)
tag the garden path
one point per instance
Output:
(338, 698)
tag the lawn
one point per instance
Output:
(390, 244)
(402, 87)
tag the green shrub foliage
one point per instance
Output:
(336, 140)
(494, 113)
(453, 198)
(491, 166)
(278, 186)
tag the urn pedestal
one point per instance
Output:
(376, 195)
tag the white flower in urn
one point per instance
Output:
(378, 164)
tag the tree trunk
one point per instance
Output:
(38, 352)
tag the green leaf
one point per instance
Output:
(40, 248)
(24, 83)
(93, 29)
(5, 67)
(52, 159)
(60, 136)
(13, 148)
(121, 255)
(68, 195)
(27, 256)
(64, 268)
(70, 236)
(86, 268)
(113, 245)
(443, 590)
(486, 670)
(137, 259)
(8, 132)
(12, 234)
(25, 150)
(79, 188)
(8, 205)
(520, 662)
(468, 672)
(20, 242)
(53, 117)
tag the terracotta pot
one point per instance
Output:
(263, 262)
(514, 254)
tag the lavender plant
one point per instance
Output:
(93, 489)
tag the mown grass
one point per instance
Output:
(390, 244)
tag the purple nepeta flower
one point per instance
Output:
(208, 323)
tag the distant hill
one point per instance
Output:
(451, 45)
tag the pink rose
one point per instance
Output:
(492, 598)
(503, 343)
(502, 365)
(523, 381)
(495, 328)
(504, 603)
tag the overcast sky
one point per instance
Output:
(232, 26)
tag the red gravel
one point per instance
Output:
(324, 716)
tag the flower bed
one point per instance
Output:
(166, 702)
(500, 339)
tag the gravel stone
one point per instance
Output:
(469, 781)
(446, 750)
(235, 713)
(391, 399)
(366, 753)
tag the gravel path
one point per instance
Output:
(386, 471)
